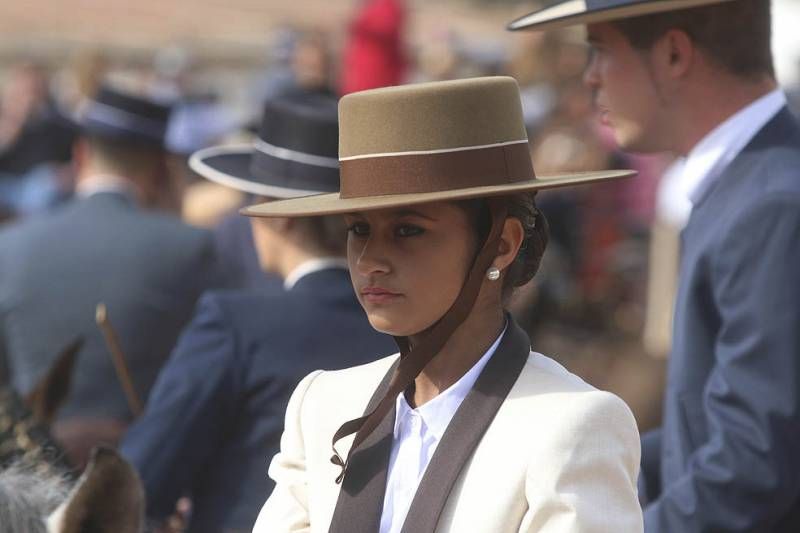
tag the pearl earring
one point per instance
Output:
(493, 274)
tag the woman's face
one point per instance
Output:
(408, 264)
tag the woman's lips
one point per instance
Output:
(378, 295)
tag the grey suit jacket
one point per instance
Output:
(729, 445)
(148, 268)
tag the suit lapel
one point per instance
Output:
(360, 503)
(781, 129)
(466, 430)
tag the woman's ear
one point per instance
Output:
(510, 241)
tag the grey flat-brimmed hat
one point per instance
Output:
(295, 153)
(571, 12)
(430, 142)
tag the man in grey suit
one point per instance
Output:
(695, 77)
(110, 245)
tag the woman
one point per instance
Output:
(467, 430)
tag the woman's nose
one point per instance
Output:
(372, 258)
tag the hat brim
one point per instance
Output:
(331, 204)
(573, 12)
(231, 166)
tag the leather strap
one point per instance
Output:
(413, 361)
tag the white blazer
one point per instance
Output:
(532, 448)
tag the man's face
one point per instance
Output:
(625, 90)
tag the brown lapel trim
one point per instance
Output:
(466, 430)
(360, 503)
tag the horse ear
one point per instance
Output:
(49, 394)
(108, 498)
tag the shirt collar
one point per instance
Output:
(103, 183)
(310, 266)
(437, 413)
(718, 148)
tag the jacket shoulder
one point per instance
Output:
(544, 383)
(346, 392)
(542, 374)
(364, 376)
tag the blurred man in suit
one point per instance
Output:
(109, 245)
(696, 78)
(214, 418)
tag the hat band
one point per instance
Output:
(435, 172)
(291, 174)
(293, 155)
(108, 116)
(604, 4)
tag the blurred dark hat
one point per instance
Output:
(571, 12)
(294, 154)
(112, 113)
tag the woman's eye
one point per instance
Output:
(408, 230)
(358, 229)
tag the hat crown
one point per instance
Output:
(114, 113)
(133, 104)
(304, 122)
(447, 115)
(433, 137)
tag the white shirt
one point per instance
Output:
(672, 198)
(99, 183)
(417, 432)
(717, 149)
(312, 265)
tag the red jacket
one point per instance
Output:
(374, 55)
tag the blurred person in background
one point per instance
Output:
(301, 59)
(307, 68)
(215, 416)
(374, 54)
(312, 63)
(698, 80)
(532, 64)
(35, 143)
(80, 78)
(111, 245)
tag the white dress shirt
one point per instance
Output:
(100, 183)
(709, 158)
(312, 265)
(417, 432)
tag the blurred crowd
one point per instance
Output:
(602, 298)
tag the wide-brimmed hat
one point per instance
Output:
(294, 154)
(571, 12)
(430, 142)
(113, 113)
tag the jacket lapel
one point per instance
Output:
(465, 431)
(781, 129)
(360, 503)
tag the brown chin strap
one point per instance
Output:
(413, 361)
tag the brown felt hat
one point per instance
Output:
(571, 12)
(430, 142)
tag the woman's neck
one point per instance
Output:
(465, 347)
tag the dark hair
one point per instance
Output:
(125, 156)
(735, 35)
(325, 235)
(522, 207)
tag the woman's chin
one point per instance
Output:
(396, 326)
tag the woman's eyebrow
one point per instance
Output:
(413, 213)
